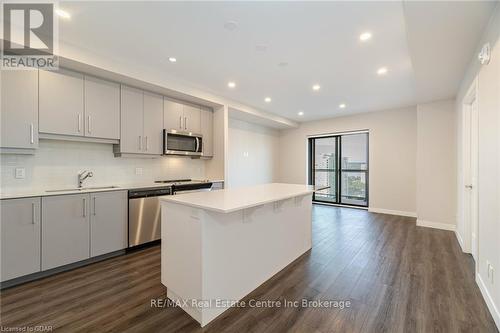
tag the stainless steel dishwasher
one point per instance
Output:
(144, 214)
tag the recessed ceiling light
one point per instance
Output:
(267, 99)
(382, 71)
(172, 59)
(231, 25)
(342, 106)
(231, 84)
(63, 14)
(301, 113)
(365, 36)
(316, 87)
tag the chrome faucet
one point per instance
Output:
(82, 176)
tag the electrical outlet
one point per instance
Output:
(20, 173)
(138, 171)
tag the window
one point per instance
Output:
(339, 163)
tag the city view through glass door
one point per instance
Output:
(340, 164)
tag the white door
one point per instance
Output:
(60, 102)
(102, 108)
(20, 236)
(19, 111)
(65, 230)
(470, 176)
(172, 115)
(132, 120)
(108, 222)
(153, 123)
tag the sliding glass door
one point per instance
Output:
(339, 165)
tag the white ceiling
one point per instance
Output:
(425, 45)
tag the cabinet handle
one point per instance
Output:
(185, 123)
(33, 213)
(79, 123)
(84, 207)
(147, 144)
(180, 122)
(90, 124)
(32, 135)
(140, 142)
(94, 204)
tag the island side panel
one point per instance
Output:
(181, 260)
(242, 250)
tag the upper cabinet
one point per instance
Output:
(141, 122)
(181, 117)
(19, 111)
(207, 130)
(192, 115)
(77, 105)
(173, 115)
(102, 108)
(61, 102)
(153, 121)
(132, 120)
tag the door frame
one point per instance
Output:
(470, 145)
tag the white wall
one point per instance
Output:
(57, 163)
(488, 167)
(392, 155)
(436, 164)
(253, 154)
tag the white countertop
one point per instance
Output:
(117, 187)
(231, 200)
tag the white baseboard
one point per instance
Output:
(435, 225)
(460, 240)
(489, 301)
(392, 212)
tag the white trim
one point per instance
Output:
(460, 240)
(391, 212)
(338, 133)
(489, 300)
(435, 225)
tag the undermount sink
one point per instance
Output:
(83, 189)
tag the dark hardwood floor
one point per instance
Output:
(397, 277)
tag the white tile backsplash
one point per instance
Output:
(57, 163)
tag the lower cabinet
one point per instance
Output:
(65, 230)
(79, 226)
(20, 237)
(108, 222)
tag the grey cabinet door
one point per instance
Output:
(207, 130)
(61, 102)
(192, 117)
(153, 123)
(108, 222)
(20, 236)
(102, 108)
(19, 109)
(173, 116)
(132, 122)
(65, 231)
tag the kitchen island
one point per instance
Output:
(219, 246)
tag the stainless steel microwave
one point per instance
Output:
(181, 143)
